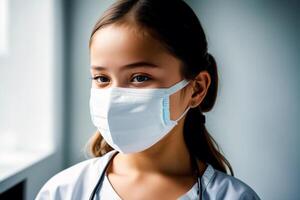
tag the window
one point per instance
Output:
(27, 79)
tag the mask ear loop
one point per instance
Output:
(166, 101)
(185, 83)
(178, 86)
(183, 114)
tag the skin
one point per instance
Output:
(162, 171)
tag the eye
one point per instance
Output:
(101, 79)
(140, 78)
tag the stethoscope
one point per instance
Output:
(97, 187)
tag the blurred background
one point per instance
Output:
(44, 90)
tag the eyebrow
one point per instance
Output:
(130, 66)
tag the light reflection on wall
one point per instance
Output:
(3, 27)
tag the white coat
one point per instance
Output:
(79, 181)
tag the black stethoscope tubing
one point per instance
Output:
(100, 180)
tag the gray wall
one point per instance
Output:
(256, 116)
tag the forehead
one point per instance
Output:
(119, 44)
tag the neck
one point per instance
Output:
(169, 156)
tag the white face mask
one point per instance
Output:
(132, 120)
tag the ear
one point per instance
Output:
(201, 84)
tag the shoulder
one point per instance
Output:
(77, 180)
(224, 186)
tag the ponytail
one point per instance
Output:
(201, 144)
(198, 140)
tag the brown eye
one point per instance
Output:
(101, 79)
(140, 78)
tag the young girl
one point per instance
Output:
(152, 79)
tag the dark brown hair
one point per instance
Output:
(174, 24)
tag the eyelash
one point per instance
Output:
(96, 77)
(148, 78)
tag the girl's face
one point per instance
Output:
(122, 56)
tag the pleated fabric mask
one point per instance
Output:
(132, 120)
